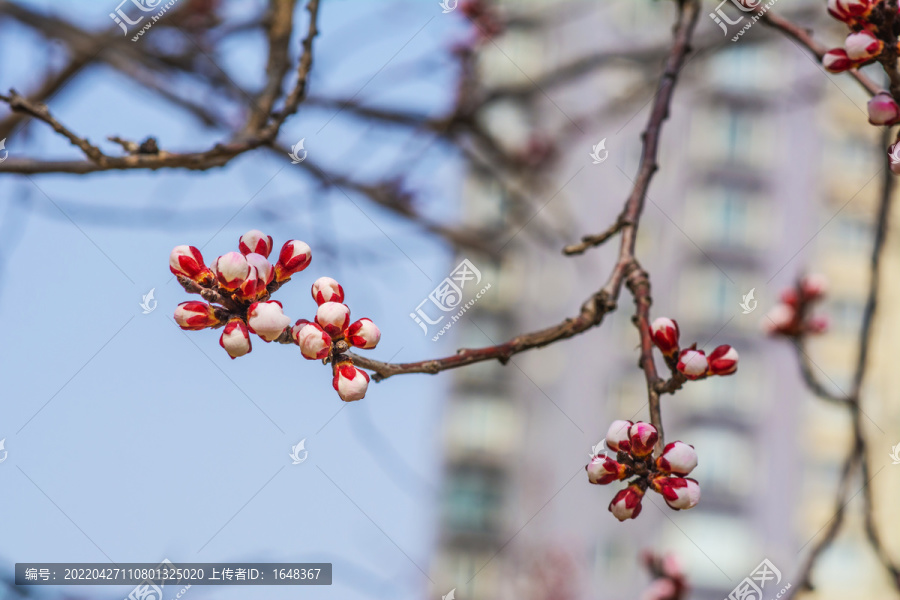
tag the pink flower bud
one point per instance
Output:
(677, 458)
(294, 257)
(326, 289)
(883, 109)
(814, 286)
(188, 262)
(863, 45)
(333, 317)
(363, 334)
(627, 503)
(692, 364)
(231, 270)
(836, 10)
(680, 493)
(642, 437)
(195, 315)
(251, 286)
(723, 360)
(665, 335)
(314, 343)
(855, 8)
(837, 61)
(256, 241)
(235, 339)
(349, 382)
(267, 319)
(264, 269)
(617, 436)
(779, 319)
(603, 470)
(789, 297)
(817, 325)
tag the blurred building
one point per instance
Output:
(764, 175)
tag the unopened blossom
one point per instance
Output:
(617, 438)
(665, 335)
(723, 360)
(602, 470)
(251, 286)
(363, 334)
(187, 261)
(294, 257)
(235, 338)
(692, 363)
(627, 503)
(883, 109)
(641, 438)
(814, 286)
(255, 241)
(195, 315)
(333, 317)
(267, 319)
(326, 289)
(780, 318)
(231, 270)
(264, 269)
(863, 45)
(677, 458)
(817, 324)
(894, 157)
(680, 493)
(837, 61)
(350, 382)
(314, 343)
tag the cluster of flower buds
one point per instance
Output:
(690, 362)
(791, 317)
(331, 335)
(633, 443)
(669, 581)
(237, 290)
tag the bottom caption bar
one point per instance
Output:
(168, 573)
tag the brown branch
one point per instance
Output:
(591, 241)
(603, 301)
(804, 37)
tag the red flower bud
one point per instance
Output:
(665, 335)
(256, 241)
(692, 364)
(294, 257)
(188, 262)
(723, 360)
(349, 382)
(642, 437)
(195, 315)
(236, 338)
(627, 503)
(363, 334)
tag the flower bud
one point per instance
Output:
(836, 10)
(333, 317)
(188, 262)
(231, 270)
(692, 364)
(680, 493)
(856, 8)
(779, 319)
(363, 334)
(723, 360)
(294, 257)
(817, 325)
(349, 382)
(665, 335)
(814, 286)
(267, 319)
(235, 338)
(617, 436)
(789, 297)
(677, 458)
(883, 109)
(642, 437)
(627, 503)
(863, 45)
(264, 268)
(255, 241)
(251, 286)
(195, 315)
(837, 61)
(603, 470)
(326, 289)
(314, 343)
